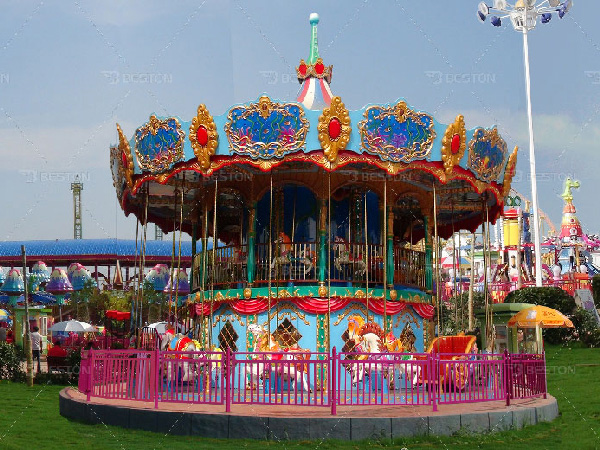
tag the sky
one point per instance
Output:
(69, 71)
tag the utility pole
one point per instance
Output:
(77, 187)
(28, 354)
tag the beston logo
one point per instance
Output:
(115, 77)
(438, 77)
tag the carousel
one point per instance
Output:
(304, 215)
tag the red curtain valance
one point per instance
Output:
(312, 305)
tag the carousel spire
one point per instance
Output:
(314, 76)
(314, 45)
(570, 227)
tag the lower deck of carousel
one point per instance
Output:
(293, 421)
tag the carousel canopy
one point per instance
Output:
(172, 165)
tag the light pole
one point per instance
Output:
(523, 16)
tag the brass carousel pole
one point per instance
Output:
(215, 243)
(437, 261)
(172, 268)
(488, 324)
(143, 263)
(367, 254)
(328, 261)
(270, 250)
(487, 244)
(179, 249)
(471, 282)
(204, 264)
(385, 255)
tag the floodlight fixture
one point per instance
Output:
(523, 17)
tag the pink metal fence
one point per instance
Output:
(282, 378)
(311, 379)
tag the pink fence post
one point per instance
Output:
(332, 372)
(545, 375)
(431, 381)
(507, 375)
(156, 375)
(226, 372)
(90, 375)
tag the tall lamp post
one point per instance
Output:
(523, 17)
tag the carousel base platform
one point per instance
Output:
(307, 423)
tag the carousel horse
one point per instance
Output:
(369, 340)
(180, 343)
(344, 257)
(405, 344)
(295, 372)
(263, 343)
(285, 255)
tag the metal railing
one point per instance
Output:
(297, 262)
(303, 378)
(289, 262)
(409, 267)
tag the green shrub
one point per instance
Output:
(596, 290)
(552, 297)
(10, 363)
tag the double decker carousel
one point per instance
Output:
(304, 215)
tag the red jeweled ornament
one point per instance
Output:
(334, 128)
(124, 159)
(202, 136)
(319, 68)
(302, 69)
(455, 145)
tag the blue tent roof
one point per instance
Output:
(68, 247)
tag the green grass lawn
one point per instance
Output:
(29, 418)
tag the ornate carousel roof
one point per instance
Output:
(173, 161)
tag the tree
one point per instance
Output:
(455, 312)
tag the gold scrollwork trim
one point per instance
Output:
(331, 145)
(287, 309)
(509, 172)
(204, 152)
(228, 314)
(346, 312)
(411, 318)
(125, 148)
(450, 158)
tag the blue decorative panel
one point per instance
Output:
(266, 129)
(397, 133)
(487, 153)
(159, 144)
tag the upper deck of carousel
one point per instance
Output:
(369, 184)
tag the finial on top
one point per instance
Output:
(314, 18)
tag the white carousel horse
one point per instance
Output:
(295, 371)
(285, 255)
(371, 343)
(180, 343)
(344, 257)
